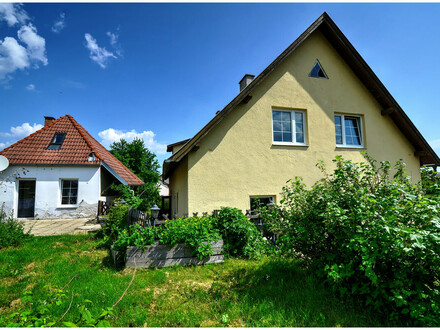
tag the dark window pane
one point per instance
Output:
(69, 190)
(338, 129)
(352, 131)
(277, 136)
(287, 137)
(286, 126)
(276, 115)
(285, 116)
(299, 137)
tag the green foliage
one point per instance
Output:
(371, 236)
(11, 231)
(430, 182)
(196, 232)
(240, 235)
(144, 164)
(128, 195)
(116, 222)
(136, 235)
(38, 312)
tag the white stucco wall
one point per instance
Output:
(48, 190)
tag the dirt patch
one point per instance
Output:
(30, 286)
(202, 285)
(30, 266)
(15, 302)
(158, 291)
(208, 324)
(58, 245)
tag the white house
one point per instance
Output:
(60, 171)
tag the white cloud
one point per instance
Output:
(30, 87)
(111, 135)
(21, 131)
(36, 45)
(12, 13)
(14, 55)
(114, 42)
(113, 38)
(98, 54)
(59, 24)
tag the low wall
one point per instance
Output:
(158, 255)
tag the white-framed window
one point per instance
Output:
(348, 130)
(289, 126)
(259, 201)
(69, 191)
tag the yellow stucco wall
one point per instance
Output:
(178, 189)
(238, 159)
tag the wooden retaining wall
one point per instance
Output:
(159, 256)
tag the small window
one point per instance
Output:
(57, 141)
(348, 130)
(317, 71)
(288, 127)
(260, 201)
(69, 192)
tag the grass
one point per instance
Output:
(238, 293)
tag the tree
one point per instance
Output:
(144, 164)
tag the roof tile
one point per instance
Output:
(75, 150)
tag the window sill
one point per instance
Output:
(351, 147)
(67, 206)
(278, 144)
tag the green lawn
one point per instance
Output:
(238, 293)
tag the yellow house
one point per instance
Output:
(316, 100)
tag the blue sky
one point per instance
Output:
(161, 71)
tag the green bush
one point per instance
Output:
(196, 232)
(240, 235)
(136, 235)
(369, 235)
(11, 231)
(116, 222)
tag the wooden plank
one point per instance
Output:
(146, 263)
(160, 252)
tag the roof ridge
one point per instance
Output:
(79, 129)
(30, 135)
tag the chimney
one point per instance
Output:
(245, 81)
(48, 120)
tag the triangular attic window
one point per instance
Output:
(318, 71)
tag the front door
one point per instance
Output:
(26, 199)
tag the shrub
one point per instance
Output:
(136, 235)
(240, 235)
(368, 235)
(196, 232)
(11, 231)
(116, 222)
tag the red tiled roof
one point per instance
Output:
(75, 150)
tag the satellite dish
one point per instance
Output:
(4, 163)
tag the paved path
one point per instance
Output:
(58, 227)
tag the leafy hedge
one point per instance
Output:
(368, 235)
(241, 236)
